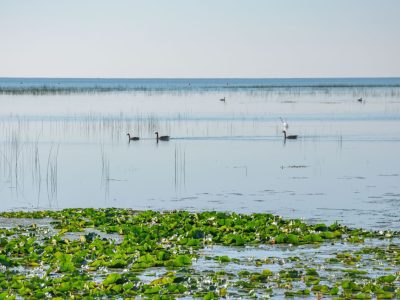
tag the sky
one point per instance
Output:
(199, 38)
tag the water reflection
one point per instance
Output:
(72, 151)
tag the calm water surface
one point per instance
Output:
(68, 148)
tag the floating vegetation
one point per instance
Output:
(165, 255)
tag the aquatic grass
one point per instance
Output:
(52, 174)
(36, 169)
(105, 173)
(251, 89)
(21, 160)
(179, 167)
(11, 156)
(92, 127)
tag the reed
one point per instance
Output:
(52, 175)
(179, 167)
(186, 90)
(36, 169)
(105, 173)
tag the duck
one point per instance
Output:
(133, 138)
(360, 99)
(162, 138)
(222, 99)
(289, 137)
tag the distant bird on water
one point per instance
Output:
(222, 99)
(289, 137)
(360, 99)
(285, 128)
(162, 138)
(132, 138)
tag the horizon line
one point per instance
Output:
(100, 77)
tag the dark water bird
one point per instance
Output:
(132, 138)
(162, 138)
(222, 99)
(289, 137)
(360, 99)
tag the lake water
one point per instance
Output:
(63, 144)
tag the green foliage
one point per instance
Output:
(85, 265)
(223, 259)
(114, 278)
(65, 263)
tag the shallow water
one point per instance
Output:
(71, 150)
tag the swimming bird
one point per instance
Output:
(133, 138)
(162, 138)
(222, 99)
(289, 137)
(360, 99)
(285, 125)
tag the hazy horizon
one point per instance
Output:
(169, 78)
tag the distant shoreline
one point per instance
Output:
(100, 85)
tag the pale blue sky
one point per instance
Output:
(199, 38)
